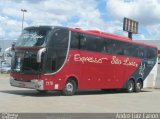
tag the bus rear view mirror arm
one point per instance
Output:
(39, 54)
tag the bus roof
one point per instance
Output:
(109, 35)
(97, 33)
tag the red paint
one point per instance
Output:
(24, 77)
(92, 71)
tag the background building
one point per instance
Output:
(4, 44)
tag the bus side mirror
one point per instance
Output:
(39, 54)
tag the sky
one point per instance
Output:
(103, 15)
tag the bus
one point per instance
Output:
(70, 59)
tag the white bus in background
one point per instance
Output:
(7, 55)
(5, 61)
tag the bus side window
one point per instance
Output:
(105, 46)
(75, 39)
(59, 38)
(126, 49)
(152, 53)
(103, 49)
(57, 50)
(100, 45)
(83, 40)
(94, 43)
(131, 50)
(90, 43)
(119, 48)
(142, 52)
(110, 46)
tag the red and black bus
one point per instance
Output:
(70, 59)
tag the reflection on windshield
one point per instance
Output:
(25, 61)
(33, 37)
(18, 64)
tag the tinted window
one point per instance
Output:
(118, 48)
(100, 45)
(142, 51)
(114, 47)
(92, 43)
(56, 50)
(111, 46)
(152, 53)
(58, 38)
(83, 41)
(130, 49)
(75, 38)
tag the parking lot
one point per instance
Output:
(14, 99)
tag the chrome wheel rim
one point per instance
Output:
(130, 86)
(139, 86)
(69, 87)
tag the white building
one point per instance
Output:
(4, 44)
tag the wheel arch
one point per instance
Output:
(132, 78)
(140, 79)
(74, 79)
(126, 83)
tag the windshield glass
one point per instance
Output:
(57, 47)
(33, 36)
(25, 62)
(56, 44)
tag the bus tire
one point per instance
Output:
(138, 86)
(130, 86)
(70, 88)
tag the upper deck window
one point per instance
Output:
(33, 36)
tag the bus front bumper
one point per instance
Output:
(33, 84)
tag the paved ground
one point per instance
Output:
(14, 99)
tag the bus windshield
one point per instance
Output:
(25, 61)
(33, 36)
(55, 41)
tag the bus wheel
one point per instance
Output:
(130, 86)
(70, 88)
(138, 86)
